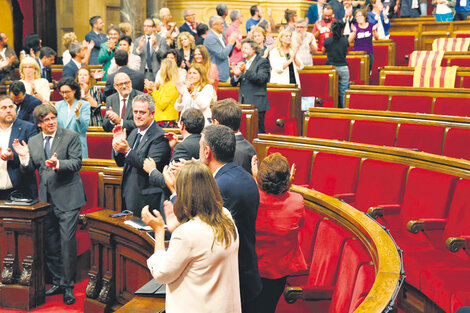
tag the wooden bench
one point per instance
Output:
(285, 115)
(405, 45)
(396, 186)
(358, 64)
(384, 55)
(321, 82)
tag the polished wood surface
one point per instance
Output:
(143, 304)
(22, 255)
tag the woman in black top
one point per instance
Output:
(336, 48)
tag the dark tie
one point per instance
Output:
(44, 73)
(123, 111)
(47, 147)
(137, 141)
(149, 58)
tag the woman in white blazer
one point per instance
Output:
(284, 61)
(200, 266)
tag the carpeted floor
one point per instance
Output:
(55, 304)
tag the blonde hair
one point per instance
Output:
(91, 79)
(30, 61)
(164, 12)
(69, 38)
(201, 198)
(125, 28)
(168, 71)
(278, 43)
(206, 59)
(189, 36)
(204, 80)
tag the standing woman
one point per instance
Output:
(336, 48)
(31, 77)
(200, 266)
(284, 61)
(186, 45)
(173, 55)
(291, 18)
(362, 34)
(201, 56)
(91, 93)
(280, 216)
(259, 36)
(72, 113)
(377, 14)
(198, 93)
(107, 49)
(165, 95)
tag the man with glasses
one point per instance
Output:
(305, 41)
(121, 58)
(190, 23)
(119, 105)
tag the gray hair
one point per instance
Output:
(145, 98)
(185, 12)
(221, 9)
(75, 48)
(214, 19)
(234, 14)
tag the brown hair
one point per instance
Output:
(91, 80)
(274, 174)
(198, 195)
(202, 71)
(206, 59)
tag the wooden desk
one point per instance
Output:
(118, 262)
(22, 256)
(143, 304)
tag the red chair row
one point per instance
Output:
(427, 138)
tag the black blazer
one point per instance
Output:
(99, 39)
(187, 149)
(244, 151)
(136, 77)
(185, 28)
(191, 56)
(241, 197)
(253, 84)
(70, 70)
(26, 108)
(136, 189)
(113, 102)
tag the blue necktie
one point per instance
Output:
(137, 141)
(149, 57)
(47, 147)
(44, 73)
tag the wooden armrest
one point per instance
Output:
(346, 197)
(292, 294)
(454, 244)
(316, 293)
(380, 211)
(426, 224)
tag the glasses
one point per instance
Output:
(122, 84)
(5, 108)
(66, 92)
(299, 26)
(49, 119)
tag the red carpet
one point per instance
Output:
(55, 304)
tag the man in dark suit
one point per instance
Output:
(253, 75)
(77, 51)
(189, 24)
(146, 141)
(46, 59)
(96, 35)
(12, 179)
(119, 105)
(57, 155)
(25, 103)
(227, 112)
(150, 48)
(121, 57)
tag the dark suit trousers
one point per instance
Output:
(261, 129)
(61, 245)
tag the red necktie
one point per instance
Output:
(123, 111)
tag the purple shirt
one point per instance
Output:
(363, 40)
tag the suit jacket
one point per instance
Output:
(63, 187)
(98, 39)
(136, 77)
(253, 84)
(70, 70)
(26, 184)
(78, 125)
(244, 151)
(185, 28)
(312, 13)
(219, 54)
(26, 108)
(128, 121)
(187, 149)
(136, 189)
(8, 72)
(48, 75)
(156, 55)
(241, 197)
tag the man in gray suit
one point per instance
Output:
(57, 155)
(150, 48)
(219, 50)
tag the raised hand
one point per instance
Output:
(170, 178)
(141, 43)
(52, 162)
(171, 219)
(119, 133)
(6, 155)
(254, 166)
(149, 165)
(77, 109)
(120, 145)
(156, 222)
(20, 148)
(98, 74)
(113, 116)
(172, 139)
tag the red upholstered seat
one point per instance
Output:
(368, 102)
(315, 85)
(319, 61)
(302, 159)
(456, 143)
(374, 132)
(452, 106)
(459, 299)
(460, 62)
(90, 182)
(364, 280)
(465, 82)
(426, 138)
(280, 108)
(412, 104)
(224, 94)
(328, 128)
(334, 174)
(99, 147)
(380, 60)
(354, 65)
(308, 234)
(405, 44)
(398, 80)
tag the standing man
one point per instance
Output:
(147, 140)
(77, 52)
(315, 11)
(134, 60)
(253, 76)
(121, 59)
(190, 22)
(119, 105)
(8, 60)
(25, 103)
(46, 59)
(322, 28)
(96, 35)
(256, 17)
(219, 50)
(11, 178)
(150, 49)
(222, 11)
(234, 28)
(57, 155)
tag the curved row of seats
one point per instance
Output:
(396, 188)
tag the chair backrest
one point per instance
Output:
(334, 173)
(452, 106)
(458, 221)
(328, 128)
(399, 79)
(280, 106)
(99, 147)
(308, 234)
(368, 102)
(405, 46)
(364, 280)
(412, 104)
(456, 143)
(426, 138)
(302, 160)
(90, 183)
(374, 132)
